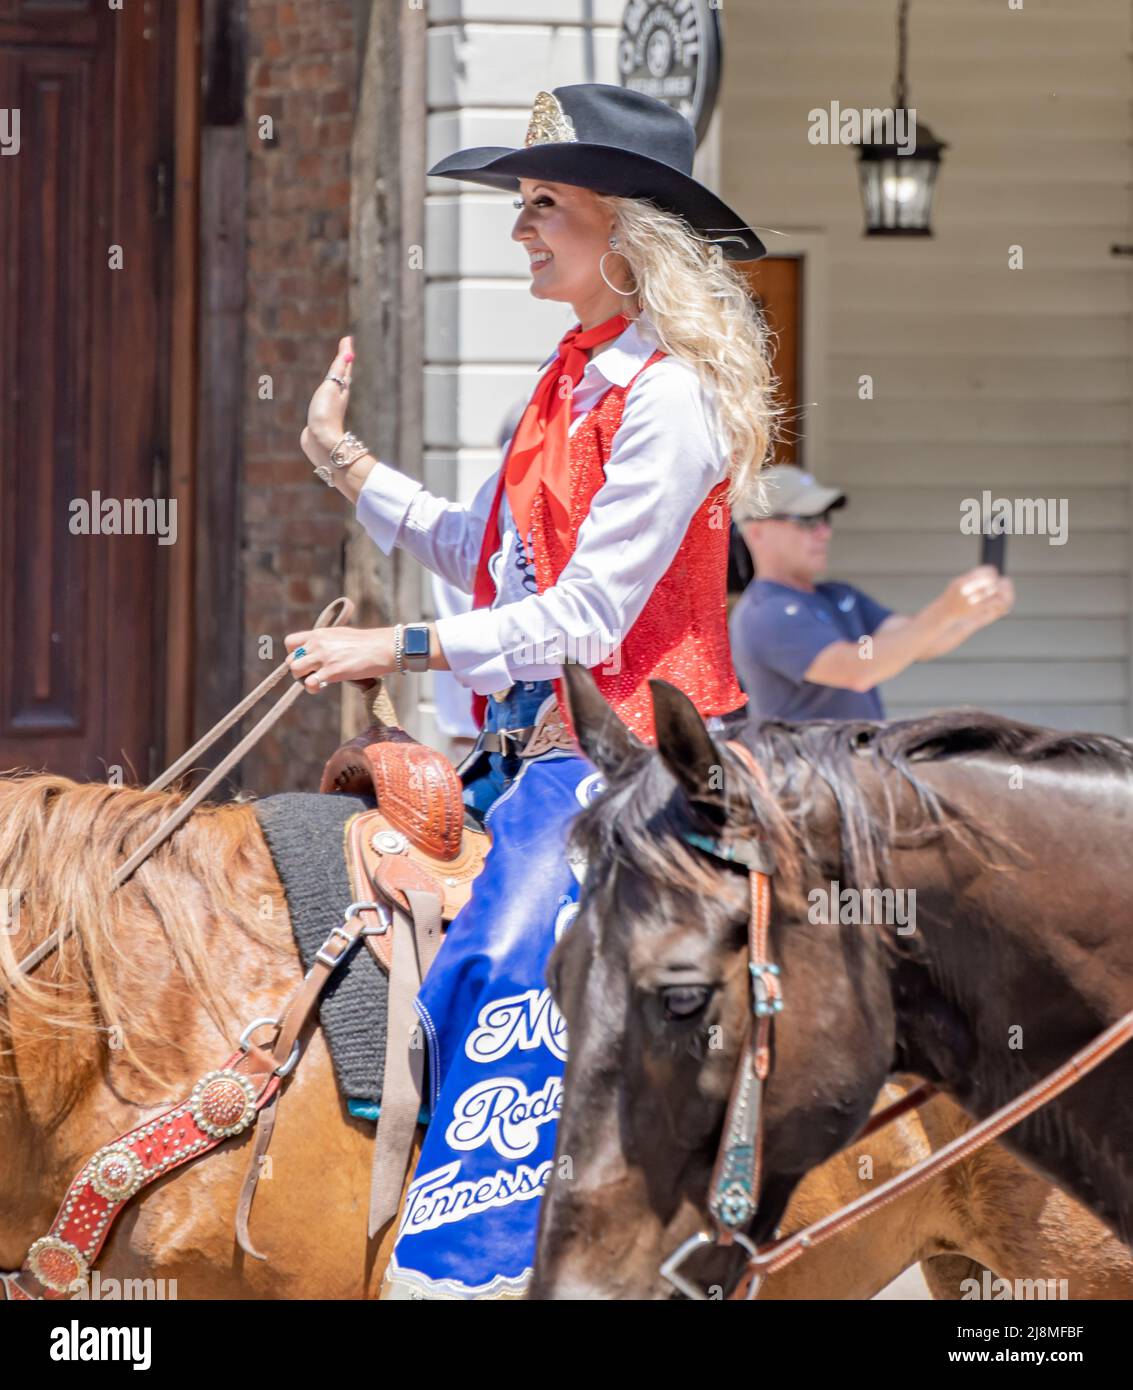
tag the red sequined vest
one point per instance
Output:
(681, 635)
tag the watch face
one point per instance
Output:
(416, 640)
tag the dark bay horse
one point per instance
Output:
(1017, 844)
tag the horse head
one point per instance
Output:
(653, 982)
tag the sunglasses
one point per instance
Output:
(809, 523)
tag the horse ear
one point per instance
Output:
(603, 737)
(689, 750)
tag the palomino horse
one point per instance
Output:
(144, 996)
(158, 977)
(1016, 842)
(988, 1213)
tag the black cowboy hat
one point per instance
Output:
(612, 140)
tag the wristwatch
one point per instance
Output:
(412, 646)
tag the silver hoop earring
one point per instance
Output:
(602, 272)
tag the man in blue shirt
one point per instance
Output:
(805, 649)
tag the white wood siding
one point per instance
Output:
(984, 377)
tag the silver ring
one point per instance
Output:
(323, 684)
(340, 379)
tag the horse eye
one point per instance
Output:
(683, 1002)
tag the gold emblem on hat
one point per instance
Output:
(550, 124)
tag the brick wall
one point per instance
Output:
(302, 74)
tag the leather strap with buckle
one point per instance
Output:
(509, 742)
(549, 731)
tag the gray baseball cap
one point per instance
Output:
(791, 492)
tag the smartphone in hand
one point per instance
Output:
(993, 550)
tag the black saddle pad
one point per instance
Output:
(305, 834)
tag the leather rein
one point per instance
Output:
(734, 1190)
(333, 615)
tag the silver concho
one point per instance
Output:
(57, 1264)
(223, 1103)
(116, 1172)
(390, 842)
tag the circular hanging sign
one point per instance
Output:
(673, 50)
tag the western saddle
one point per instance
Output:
(412, 862)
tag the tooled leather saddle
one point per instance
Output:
(412, 862)
(419, 836)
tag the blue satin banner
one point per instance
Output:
(497, 1050)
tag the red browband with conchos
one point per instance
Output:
(223, 1103)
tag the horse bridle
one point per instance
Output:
(734, 1189)
(733, 1192)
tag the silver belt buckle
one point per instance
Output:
(515, 738)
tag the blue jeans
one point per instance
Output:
(486, 776)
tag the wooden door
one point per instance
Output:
(777, 284)
(84, 218)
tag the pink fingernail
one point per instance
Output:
(349, 357)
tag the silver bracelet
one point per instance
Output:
(399, 647)
(348, 450)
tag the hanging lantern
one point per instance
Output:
(898, 175)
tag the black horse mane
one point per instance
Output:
(642, 818)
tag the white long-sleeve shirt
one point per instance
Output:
(666, 456)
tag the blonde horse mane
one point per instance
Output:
(59, 843)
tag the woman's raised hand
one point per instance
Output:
(326, 415)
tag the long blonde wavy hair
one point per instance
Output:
(703, 312)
